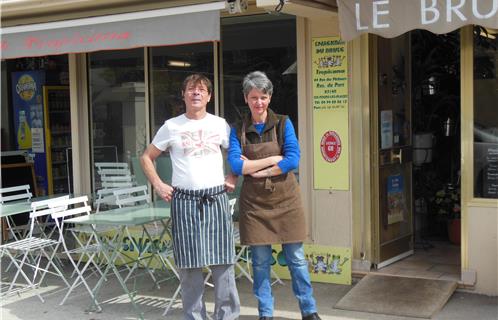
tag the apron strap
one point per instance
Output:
(243, 135)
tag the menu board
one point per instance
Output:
(490, 187)
(486, 170)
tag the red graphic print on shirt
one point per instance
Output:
(200, 143)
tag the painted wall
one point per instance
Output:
(483, 248)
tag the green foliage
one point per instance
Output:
(446, 202)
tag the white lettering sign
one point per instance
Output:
(424, 9)
(377, 13)
(358, 19)
(392, 18)
(456, 9)
(477, 14)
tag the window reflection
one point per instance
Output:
(117, 105)
(169, 67)
(266, 43)
(485, 113)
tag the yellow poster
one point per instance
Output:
(330, 113)
(325, 264)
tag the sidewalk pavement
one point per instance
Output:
(115, 304)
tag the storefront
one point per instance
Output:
(362, 158)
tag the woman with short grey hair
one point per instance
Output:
(264, 148)
(257, 80)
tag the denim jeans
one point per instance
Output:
(298, 267)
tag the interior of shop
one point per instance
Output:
(36, 118)
(436, 137)
(436, 172)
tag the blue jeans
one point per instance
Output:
(298, 267)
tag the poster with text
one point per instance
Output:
(330, 113)
(395, 199)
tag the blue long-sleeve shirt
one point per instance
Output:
(291, 152)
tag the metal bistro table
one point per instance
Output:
(9, 209)
(124, 218)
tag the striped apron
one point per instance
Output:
(202, 228)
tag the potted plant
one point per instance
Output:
(446, 204)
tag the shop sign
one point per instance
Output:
(391, 18)
(80, 35)
(330, 113)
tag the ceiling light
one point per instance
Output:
(178, 63)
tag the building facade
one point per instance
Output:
(401, 153)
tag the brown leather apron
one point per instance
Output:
(271, 208)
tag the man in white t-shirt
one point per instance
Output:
(202, 228)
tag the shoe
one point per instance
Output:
(265, 318)
(313, 316)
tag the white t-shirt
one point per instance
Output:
(194, 147)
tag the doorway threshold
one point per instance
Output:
(440, 261)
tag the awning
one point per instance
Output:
(391, 18)
(170, 26)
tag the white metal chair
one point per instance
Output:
(135, 196)
(132, 196)
(17, 193)
(113, 176)
(72, 208)
(29, 251)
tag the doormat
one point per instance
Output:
(399, 296)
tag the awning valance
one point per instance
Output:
(391, 18)
(170, 26)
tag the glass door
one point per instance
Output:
(393, 220)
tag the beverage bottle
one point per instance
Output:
(24, 132)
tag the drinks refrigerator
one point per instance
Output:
(58, 136)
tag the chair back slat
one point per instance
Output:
(70, 212)
(115, 172)
(101, 165)
(41, 208)
(132, 196)
(117, 184)
(126, 178)
(62, 209)
(15, 193)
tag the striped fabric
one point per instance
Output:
(202, 230)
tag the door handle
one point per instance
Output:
(398, 155)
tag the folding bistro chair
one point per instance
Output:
(72, 208)
(17, 193)
(113, 175)
(136, 196)
(30, 250)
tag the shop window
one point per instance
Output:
(169, 67)
(261, 42)
(485, 113)
(117, 105)
(36, 118)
